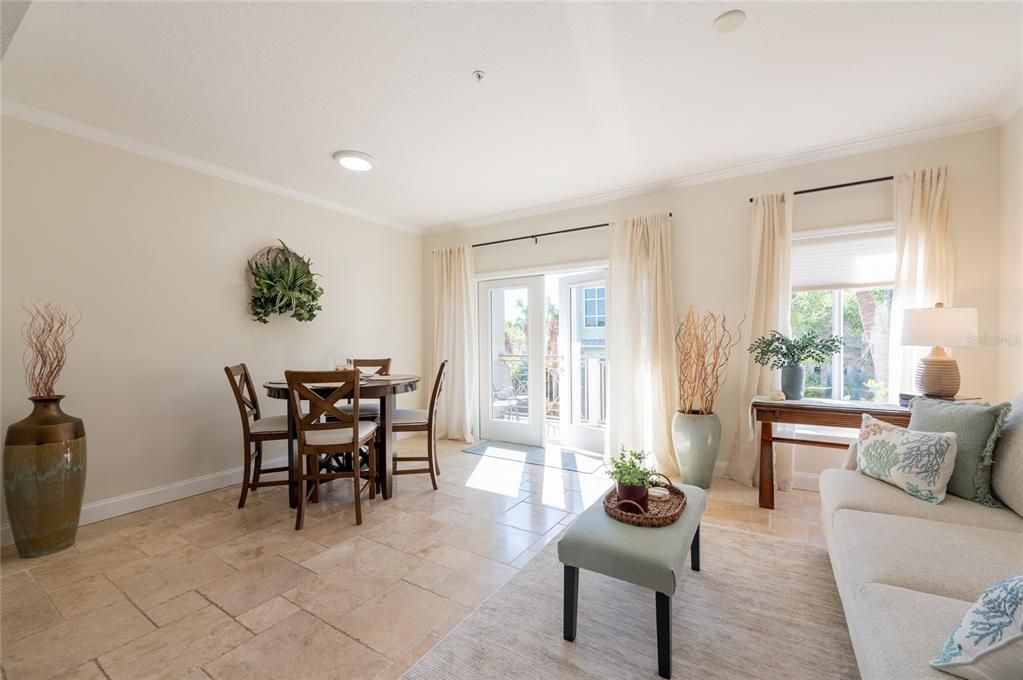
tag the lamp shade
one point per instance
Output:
(940, 326)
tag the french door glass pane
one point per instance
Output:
(509, 354)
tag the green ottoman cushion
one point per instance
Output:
(648, 557)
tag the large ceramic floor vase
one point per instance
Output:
(697, 440)
(44, 478)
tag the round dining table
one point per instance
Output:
(383, 387)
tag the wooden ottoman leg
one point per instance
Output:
(571, 600)
(663, 635)
(694, 551)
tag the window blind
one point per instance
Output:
(861, 256)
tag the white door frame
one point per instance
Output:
(529, 432)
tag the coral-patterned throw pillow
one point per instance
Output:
(919, 463)
(988, 642)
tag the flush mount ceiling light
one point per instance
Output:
(354, 160)
(729, 21)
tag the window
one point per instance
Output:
(841, 285)
(861, 316)
(593, 307)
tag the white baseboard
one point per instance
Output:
(805, 481)
(97, 511)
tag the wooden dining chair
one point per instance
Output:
(256, 429)
(418, 420)
(322, 440)
(371, 409)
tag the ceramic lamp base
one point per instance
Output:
(937, 375)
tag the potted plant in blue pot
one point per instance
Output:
(790, 354)
(703, 345)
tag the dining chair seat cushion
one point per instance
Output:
(410, 416)
(340, 436)
(366, 408)
(269, 424)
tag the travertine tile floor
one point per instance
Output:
(198, 589)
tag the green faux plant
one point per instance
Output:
(628, 469)
(780, 351)
(283, 282)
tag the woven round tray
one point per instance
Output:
(661, 512)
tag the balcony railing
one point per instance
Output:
(510, 394)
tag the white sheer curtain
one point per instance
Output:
(923, 262)
(455, 340)
(641, 342)
(767, 310)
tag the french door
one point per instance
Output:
(582, 346)
(511, 319)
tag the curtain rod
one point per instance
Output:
(534, 237)
(840, 186)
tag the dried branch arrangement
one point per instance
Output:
(703, 344)
(47, 334)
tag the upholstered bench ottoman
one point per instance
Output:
(652, 558)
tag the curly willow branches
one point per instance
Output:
(703, 345)
(47, 334)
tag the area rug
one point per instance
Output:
(760, 608)
(553, 456)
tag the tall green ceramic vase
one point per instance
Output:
(697, 440)
(44, 478)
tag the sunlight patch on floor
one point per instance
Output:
(554, 488)
(497, 475)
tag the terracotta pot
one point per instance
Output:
(44, 478)
(636, 494)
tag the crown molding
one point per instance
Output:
(77, 128)
(822, 153)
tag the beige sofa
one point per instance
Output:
(907, 571)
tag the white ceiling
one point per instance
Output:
(579, 99)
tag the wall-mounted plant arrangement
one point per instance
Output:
(283, 283)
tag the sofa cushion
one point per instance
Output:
(1007, 471)
(909, 552)
(977, 427)
(849, 489)
(919, 463)
(895, 631)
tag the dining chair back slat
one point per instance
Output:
(325, 406)
(382, 366)
(244, 392)
(438, 385)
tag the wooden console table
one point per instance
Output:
(824, 412)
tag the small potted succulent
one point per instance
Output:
(633, 479)
(789, 354)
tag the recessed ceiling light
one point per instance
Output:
(354, 160)
(729, 21)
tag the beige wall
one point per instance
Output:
(154, 255)
(711, 244)
(1010, 374)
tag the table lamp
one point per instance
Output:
(938, 327)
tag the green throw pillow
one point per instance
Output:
(977, 427)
